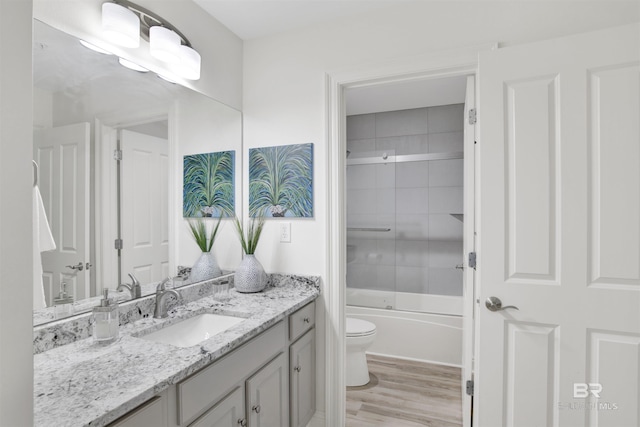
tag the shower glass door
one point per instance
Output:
(371, 229)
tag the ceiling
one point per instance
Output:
(251, 19)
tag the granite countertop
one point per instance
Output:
(88, 384)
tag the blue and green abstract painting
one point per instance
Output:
(208, 186)
(281, 181)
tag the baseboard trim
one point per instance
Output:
(434, 362)
(318, 420)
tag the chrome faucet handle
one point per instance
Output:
(162, 286)
(134, 281)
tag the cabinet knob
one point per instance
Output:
(256, 409)
(306, 320)
(242, 422)
(297, 368)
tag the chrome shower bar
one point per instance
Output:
(404, 158)
(375, 230)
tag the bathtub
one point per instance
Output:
(427, 337)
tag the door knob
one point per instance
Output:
(494, 304)
(78, 267)
(256, 409)
(242, 422)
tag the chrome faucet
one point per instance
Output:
(161, 296)
(134, 288)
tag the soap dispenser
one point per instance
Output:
(106, 322)
(63, 305)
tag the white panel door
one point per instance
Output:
(145, 208)
(62, 154)
(559, 232)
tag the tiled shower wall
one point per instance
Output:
(414, 199)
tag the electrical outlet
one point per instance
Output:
(285, 232)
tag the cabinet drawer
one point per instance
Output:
(198, 392)
(152, 413)
(301, 321)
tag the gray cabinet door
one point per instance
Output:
(229, 412)
(303, 379)
(267, 395)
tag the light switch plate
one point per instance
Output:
(285, 232)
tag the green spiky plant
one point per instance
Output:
(208, 182)
(280, 179)
(249, 240)
(198, 229)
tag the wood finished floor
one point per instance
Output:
(404, 393)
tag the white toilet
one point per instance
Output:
(360, 336)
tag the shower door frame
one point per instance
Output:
(439, 64)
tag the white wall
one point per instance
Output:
(284, 90)
(16, 124)
(221, 50)
(205, 126)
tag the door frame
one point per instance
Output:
(446, 63)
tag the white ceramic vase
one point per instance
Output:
(250, 276)
(205, 268)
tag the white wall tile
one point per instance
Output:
(446, 118)
(444, 227)
(385, 278)
(385, 175)
(412, 201)
(361, 147)
(445, 200)
(412, 253)
(446, 173)
(412, 279)
(386, 251)
(404, 122)
(361, 220)
(445, 253)
(412, 174)
(408, 144)
(360, 276)
(385, 199)
(446, 142)
(361, 126)
(445, 281)
(361, 201)
(361, 177)
(412, 227)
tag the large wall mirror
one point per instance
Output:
(108, 151)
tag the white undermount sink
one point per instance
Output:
(194, 330)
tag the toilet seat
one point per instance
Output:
(359, 327)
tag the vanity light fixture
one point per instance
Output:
(120, 25)
(166, 42)
(132, 65)
(188, 66)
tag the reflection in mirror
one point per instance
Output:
(108, 143)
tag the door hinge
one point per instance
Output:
(472, 116)
(470, 388)
(472, 260)
(117, 155)
(118, 244)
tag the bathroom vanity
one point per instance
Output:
(260, 371)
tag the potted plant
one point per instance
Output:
(250, 275)
(206, 267)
